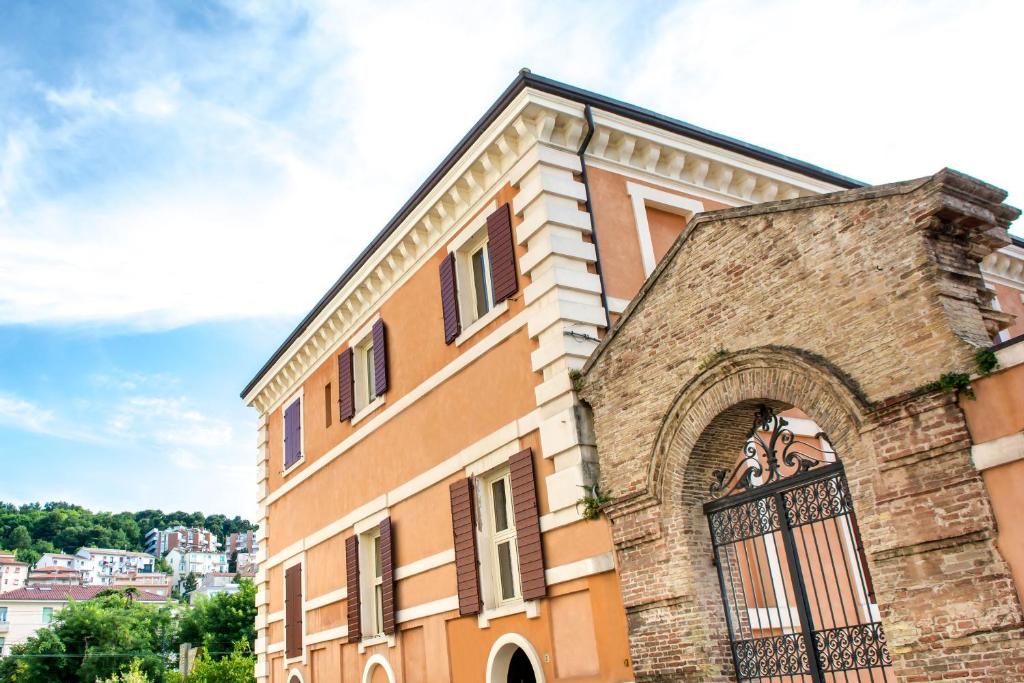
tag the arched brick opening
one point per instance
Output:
(706, 430)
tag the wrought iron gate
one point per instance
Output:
(799, 602)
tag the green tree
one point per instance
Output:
(134, 674)
(220, 621)
(190, 583)
(162, 565)
(237, 667)
(96, 640)
(19, 538)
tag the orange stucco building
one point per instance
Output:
(421, 448)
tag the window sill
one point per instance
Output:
(481, 323)
(294, 466)
(367, 409)
(376, 640)
(530, 607)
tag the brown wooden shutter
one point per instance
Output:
(464, 531)
(380, 358)
(501, 253)
(387, 572)
(346, 389)
(293, 611)
(449, 299)
(524, 506)
(355, 632)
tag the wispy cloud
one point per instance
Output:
(185, 176)
(21, 414)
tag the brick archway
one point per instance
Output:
(705, 430)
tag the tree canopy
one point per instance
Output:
(34, 528)
(115, 639)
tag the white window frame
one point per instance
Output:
(463, 245)
(359, 342)
(3, 615)
(285, 470)
(370, 614)
(492, 539)
(644, 196)
(46, 622)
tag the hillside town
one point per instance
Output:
(181, 564)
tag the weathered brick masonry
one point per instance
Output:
(846, 306)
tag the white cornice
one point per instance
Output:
(633, 145)
(1005, 266)
(531, 117)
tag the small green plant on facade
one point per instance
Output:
(576, 377)
(953, 381)
(593, 502)
(986, 361)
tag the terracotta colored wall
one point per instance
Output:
(616, 230)
(1010, 301)
(997, 412)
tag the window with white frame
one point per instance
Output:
(364, 373)
(501, 543)
(473, 266)
(3, 614)
(47, 615)
(372, 579)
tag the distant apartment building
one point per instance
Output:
(160, 542)
(216, 583)
(242, 542)
(246, 564)
(26, 610)
(57, 560)
(100, 565)
(54, 576)
(13, 574)
(159, 583)
(184, 563)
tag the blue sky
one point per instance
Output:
(180, 181)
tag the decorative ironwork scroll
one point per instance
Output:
(764, 458)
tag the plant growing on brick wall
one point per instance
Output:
(576, 377)
(953, 381)
(712, 358)
(986, 361)
(593, 501)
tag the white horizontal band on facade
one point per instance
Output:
(327, 598)
(428, 609)
(275, 616)
(445, 469)
(598, 564)
(998, 452)
(426, 564)
(324, 636)
(492, 340)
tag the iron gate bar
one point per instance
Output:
(760, 501)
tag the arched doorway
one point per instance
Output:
(795, 586)
(513, 659)
(519, 668)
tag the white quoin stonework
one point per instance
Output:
(563, 301)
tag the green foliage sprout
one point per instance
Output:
(593, 502)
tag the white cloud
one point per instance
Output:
(21, 414)
(285, 149)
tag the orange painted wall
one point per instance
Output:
(581, 619)
(1010, 301)
(616, 230)
(998, 411)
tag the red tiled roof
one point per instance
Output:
(64, 593)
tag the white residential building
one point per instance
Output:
(13, 574)
(194, 562)
(26, 610)
(216, 583)
(100, 565)
(57, 560)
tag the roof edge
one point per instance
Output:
(523, 80)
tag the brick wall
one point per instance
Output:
(845, 306)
